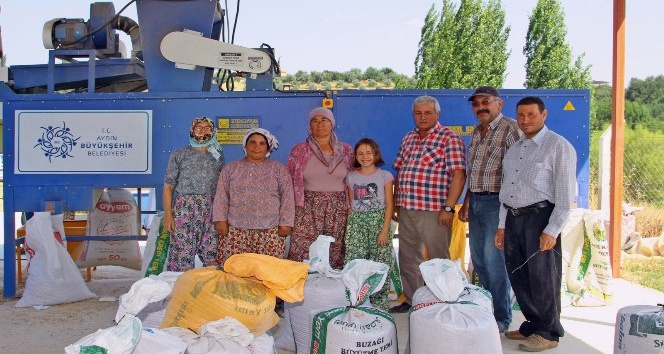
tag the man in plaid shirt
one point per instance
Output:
(430, 167)
(493, 135)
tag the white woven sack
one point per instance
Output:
(639, 330)
(285, 340)
(597, 290)
(320, 292)
(53, 278)
(572, 242)
(461, 327)
(444, 278)
(152, 315)
(157, 341)
(323, 289)
(358, 328)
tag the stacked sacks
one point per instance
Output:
(322, 290)
(358, 328)
(246, 291)
(450, 313)
(226, 335)
(639, 330)
(148, 298)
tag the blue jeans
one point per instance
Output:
(488, 260)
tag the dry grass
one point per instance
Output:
(650, 221)
(646, 271)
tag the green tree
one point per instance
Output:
(548, 56)
(636, 114)
(649, 92)
(463, 47)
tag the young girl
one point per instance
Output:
(368, 232)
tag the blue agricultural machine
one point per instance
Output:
(104, 119)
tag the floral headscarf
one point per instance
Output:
(206, 139)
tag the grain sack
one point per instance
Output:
(147, 299)
(572, 241)
(358, 328)
(460, 322)
(53, 278)
(114, 214)
(156, 247)
(595, 265)
(224, 336)
(639, 330)
(323, 289)
(119, 339)
(152, 315)
(207, 294)
(396, 287)
(285, 278)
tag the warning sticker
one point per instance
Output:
(231, 130)
(569, 106)
(462, 130)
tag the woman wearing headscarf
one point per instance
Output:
(189, 185)
(254, 207)
(319, 166)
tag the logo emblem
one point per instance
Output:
(57, 142)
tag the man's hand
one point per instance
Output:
(445, 218)
(547, 242)
(499, 239)
(463, 212)
(395, 214)
(284, 231)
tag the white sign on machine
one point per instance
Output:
(75, 142)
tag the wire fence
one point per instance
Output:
(644, 171)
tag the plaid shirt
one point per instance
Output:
(424, 168)
(485, 155)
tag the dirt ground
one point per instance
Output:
(50, 330)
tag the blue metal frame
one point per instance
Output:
(383, 115)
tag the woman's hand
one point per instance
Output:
(382, 238)
(284, 231)
(222, 228)
(168, 223)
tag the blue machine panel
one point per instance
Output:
(382, 115)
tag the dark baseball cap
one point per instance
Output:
(484, 91)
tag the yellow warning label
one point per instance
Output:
(232, 130)
(569, 106)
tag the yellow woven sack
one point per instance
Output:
(207, 294)
(284, 277)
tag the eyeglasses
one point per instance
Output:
(319, 121)
(484, 102)
(203, 129)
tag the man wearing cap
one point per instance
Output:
(430, 167)
(538, 192)
(491, 138)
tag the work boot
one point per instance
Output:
(515, 335)
(537, 343)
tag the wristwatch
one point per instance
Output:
(448, 209)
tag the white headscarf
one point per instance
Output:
(272, 142)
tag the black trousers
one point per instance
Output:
(537, 283)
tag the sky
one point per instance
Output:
(344, 34)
